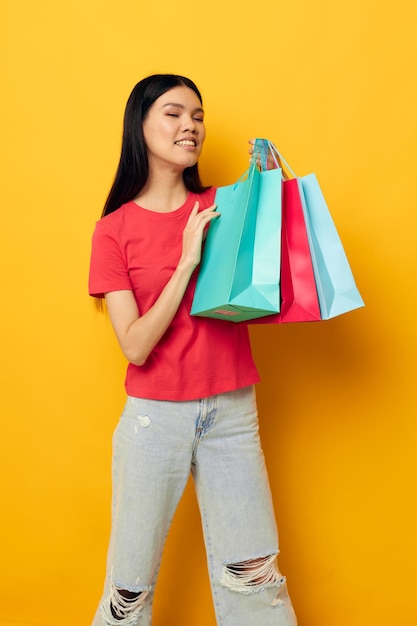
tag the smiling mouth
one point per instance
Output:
(186, 143)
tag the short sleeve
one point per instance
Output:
(108, 267)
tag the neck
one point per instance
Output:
(163, 192)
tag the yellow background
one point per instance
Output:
(334, 86)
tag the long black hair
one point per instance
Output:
(132, 172)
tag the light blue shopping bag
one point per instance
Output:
(335, 284)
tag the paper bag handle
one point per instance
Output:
(261, 149)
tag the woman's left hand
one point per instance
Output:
(271, 164)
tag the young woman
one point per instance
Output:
(190, 380)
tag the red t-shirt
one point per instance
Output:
(137, 249)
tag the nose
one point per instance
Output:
(189, 125)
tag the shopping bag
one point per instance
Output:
(311, 249)
(299, 298)
(240, 268)
(336, 286)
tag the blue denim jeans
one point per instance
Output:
(156, 446)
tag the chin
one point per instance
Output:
(190, 163)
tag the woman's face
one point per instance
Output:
(174, 129)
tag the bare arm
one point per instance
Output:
(138, 335)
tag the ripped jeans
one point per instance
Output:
(156, 446)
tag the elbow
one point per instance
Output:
(138, 361)
(135, 357)
(136, 349)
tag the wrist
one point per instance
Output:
(185, 267)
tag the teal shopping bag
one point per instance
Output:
(239, 273)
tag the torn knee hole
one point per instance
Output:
(252, 574)
(123, 606)
(123, 602)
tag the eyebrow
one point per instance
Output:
(181, 106)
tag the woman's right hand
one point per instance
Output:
(193, 234)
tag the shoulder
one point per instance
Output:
(114, 218)
(114, 223)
